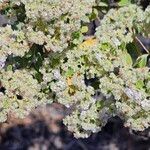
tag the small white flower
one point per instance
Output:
(116, 41)
(2, 62)
(146, 104)
(133, 94)
(57, 74)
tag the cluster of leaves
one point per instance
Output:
(45, 57)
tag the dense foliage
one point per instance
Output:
(45, 57)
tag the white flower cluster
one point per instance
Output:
(122, 23)
(127, 86)
(95, 79)
(146, 24)
(20, 95)
(122, 86)
(12, 42)
(58, 20)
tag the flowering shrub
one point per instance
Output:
(46, 57)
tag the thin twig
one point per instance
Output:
(98, 19)
(142, 44)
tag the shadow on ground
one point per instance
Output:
(43, 130)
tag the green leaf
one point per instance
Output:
(84, 29)
(126, 58)
(94, 14)
(69, 73)
(102, 4)
(124, 2)
(139, 84)
(76, 35)
(141, 61)
(9, 68)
